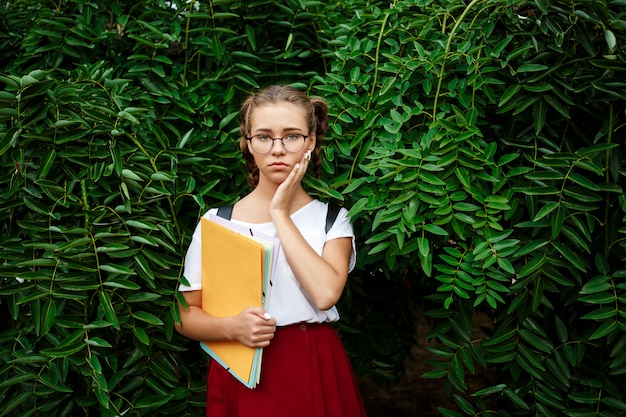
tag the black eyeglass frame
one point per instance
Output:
(281, 139)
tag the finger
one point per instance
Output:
(292, 177)
(300, 169)
(302, 173)
(257, 311)
(263, 344)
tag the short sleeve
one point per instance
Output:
(343, 228)
(192, 270)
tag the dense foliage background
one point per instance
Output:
(479, 146)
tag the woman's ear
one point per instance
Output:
(313, 138)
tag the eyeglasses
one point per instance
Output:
(292, 142)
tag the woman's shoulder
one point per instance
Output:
(317, 210)
(212, 210)
(313, 207)
(325, 206)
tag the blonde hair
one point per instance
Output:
(316, 112)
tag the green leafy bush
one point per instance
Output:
(478, 145)
(482, 148)
(115, 126)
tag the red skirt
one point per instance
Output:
(305, 372)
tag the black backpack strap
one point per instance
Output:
(225, 211)
(331, 215)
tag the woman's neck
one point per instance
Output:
(254, 207)
(264, 192)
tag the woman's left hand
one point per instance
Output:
(281, 202)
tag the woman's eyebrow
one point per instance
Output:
(286, 129)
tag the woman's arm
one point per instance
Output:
(252, 327)
(322, 277)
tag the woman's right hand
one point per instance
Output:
(253, 327)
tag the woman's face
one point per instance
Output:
(276, 121)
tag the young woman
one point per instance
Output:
(305, 370)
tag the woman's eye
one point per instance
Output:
(292, 137)
(264, 138)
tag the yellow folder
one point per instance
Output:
(235, 276)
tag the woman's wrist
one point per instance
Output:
(278, 215)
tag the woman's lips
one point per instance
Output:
(278, 165)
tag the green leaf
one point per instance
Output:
(15, 402)
(569, 255)
(435, 373)
(98, 342)
(121, 283)
(127, 173)
(141, 335)
(30, 297)
(531, 68)
(604, 329)
(422, 245)
(545, 210)
(538, 342)
(543, 190)
(506, 266)
(434, 229)
(109, 312)
(549, 397)
(580, 195)
(510, 92)
(557, 105)
(611, 41)
(141, 225)
(17, 379)
(162, 176)
(531, 246)
(463, 175)
(540, 112)
(599, 298)
(49, 315)
(516, 399)
(148, 318)
(584, 182)
(495, 389)
(599, 283)
(9, 138)
(448, 413)
(153, 401)
(117, 269)
(64, 351)
(584, 397)
(596, 148)
(431, 179)
(464, 218)
(614, 402)
(601, 314)
(46, 163)
(530, 362)
(426, 263)
(33, 87)
(561, 329)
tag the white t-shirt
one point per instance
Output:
(288, 302)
